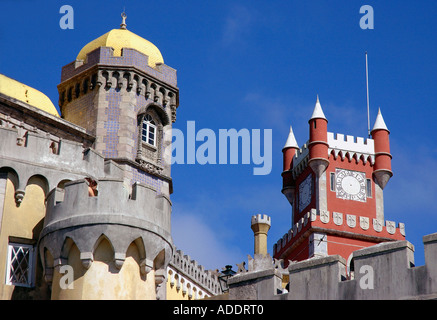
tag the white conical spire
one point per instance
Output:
(291, 140)
(318, 112)
(379, 123)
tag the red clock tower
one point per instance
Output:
(335, 186)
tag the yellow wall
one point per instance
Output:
(173, 293)
(24, 222)
(103, 280)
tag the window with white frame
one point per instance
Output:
(148, 133)
(20, 265)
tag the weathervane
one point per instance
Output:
(123, 22)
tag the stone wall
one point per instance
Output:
(384, 271)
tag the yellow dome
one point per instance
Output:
(123, 38)
(26, 94)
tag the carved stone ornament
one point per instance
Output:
(351, 220)
(377, 225)
(390, 226)
(173, 113)
(305, 221)
(402, 228)
(338, 218)
(364, 223)
(313, 214)
(87, 259)
(324, 216)
(241, 267)
(150, 167)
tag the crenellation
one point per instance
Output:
(383, 271)
(339, 219)
(73, 213)
(301, 154)
(193, 272)
(261, 218)
(351, 148)
(129, 58)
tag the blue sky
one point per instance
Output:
(260, 65)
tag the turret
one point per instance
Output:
(260, 225)
(382, 168)
(111, 240)
(318, 144)
(289, 153)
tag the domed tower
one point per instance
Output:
(114, 230)
(120, 91)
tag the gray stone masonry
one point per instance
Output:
(382, 272)
(142, 217)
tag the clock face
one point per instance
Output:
(305, 191)
(350, 185)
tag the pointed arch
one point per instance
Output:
(103, 249)
(66, 247)
(163, 116)
(159, 260)
(141, 247)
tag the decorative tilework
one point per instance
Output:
(129, 57)
(147, 179)
(112, 124)
(80, 112)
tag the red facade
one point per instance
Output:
(335, 186)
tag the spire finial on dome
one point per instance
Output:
(123, 21)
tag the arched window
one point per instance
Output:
(148, 131)
(151, 120)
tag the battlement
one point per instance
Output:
(384, 271)
(261, 218)
(362, 226)
(351, 147)
(300, 161)
(351, 143)
(56, 159)
(141, 217)
(143, 208)
(129, 58)
(189, 274)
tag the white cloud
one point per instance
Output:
(237, 24)
(202, 243)
(412, 188)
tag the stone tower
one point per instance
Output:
(334, 184)
(109, 235)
